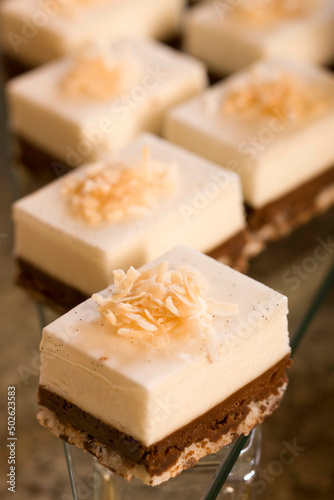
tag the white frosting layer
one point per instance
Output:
(37, 31)
(228, 42)
(149, 394)
(273, 154)
(78, 129)
(204, 211)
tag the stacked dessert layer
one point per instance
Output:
(171, 363)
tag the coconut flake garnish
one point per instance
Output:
(157, 305)
(266, 12)
(114, 192)
(97, 74)
(84, 2)
(269, 94)
(71, 7)
(87, 2)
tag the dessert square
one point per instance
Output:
(229, 35)
(72, 234)
(272, 123)
(170, 364)
(37, 31)
(84, 106)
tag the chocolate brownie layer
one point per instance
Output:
(12, 67)
(41, 163)
(62, 297)
(293, 209)
(159, 457)
(233, 252)
(46, 289)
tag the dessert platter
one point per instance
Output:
(153, 191)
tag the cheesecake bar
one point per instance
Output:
(37, 31)
(72, 234)
(84, 106)
(169, 364)
(272, 123)
(229, 35)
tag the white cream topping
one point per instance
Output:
(204, 211)
(149, 392)
(274, 152)
(76, 129)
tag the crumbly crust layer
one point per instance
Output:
(13, 67)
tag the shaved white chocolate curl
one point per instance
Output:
(157, 304)
(114, 192)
